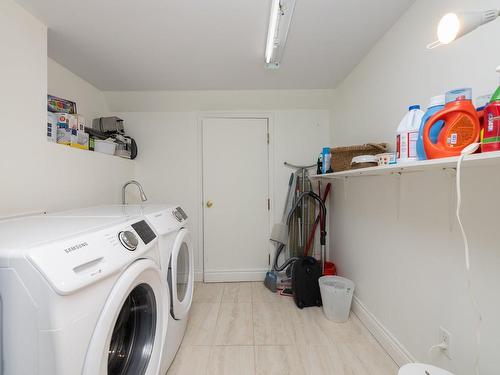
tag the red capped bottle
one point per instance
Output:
(491, 130)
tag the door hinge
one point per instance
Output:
(267, 138)
(268, 204)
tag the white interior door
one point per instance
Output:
(236, 193)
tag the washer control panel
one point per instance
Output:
(75, 262)
(128, 239)
(144, 231)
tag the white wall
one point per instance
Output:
(222, 100)
(168, 164)
(409, 270)
(63, 83)
(400, 71)
(38, 175)
(42, 176)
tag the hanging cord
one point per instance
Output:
(468, 150)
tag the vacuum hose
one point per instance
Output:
(280, 248)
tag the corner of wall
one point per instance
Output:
(64, 83)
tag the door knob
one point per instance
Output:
(209, 204)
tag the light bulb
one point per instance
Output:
(448, 28)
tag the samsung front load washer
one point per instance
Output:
(176, 261)
(80, 296)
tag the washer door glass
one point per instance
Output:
(182, 271)
(134, 333)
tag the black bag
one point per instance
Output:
(305, 285)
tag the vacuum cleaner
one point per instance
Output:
(279, 235)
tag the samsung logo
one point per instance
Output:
(75, 247)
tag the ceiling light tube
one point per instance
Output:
(456, 24)
(279, 22)
(273, 28)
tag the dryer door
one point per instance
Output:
(128, 337)
(181, 275)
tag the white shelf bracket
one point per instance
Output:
(452, 172)
(399, 195)
(452, 175)
(346, 188)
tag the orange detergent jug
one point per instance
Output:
(461, 126)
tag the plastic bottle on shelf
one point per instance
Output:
(326, 160)
(436, 104)
(491, 131)
(481, 103)
(407, 134)
(461, 126)
(319, 164)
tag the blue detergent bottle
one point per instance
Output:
(437, 104)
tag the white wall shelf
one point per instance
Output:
(479, 160)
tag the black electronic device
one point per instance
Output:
(306, 272)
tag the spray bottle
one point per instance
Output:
(326, 160)
(491, 130)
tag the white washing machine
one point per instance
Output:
(176, 259)
(80, 296)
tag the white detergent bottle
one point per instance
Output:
(407, 134)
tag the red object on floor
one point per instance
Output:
(330, 269)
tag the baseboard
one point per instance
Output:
(198, 275)
(233, 276)
(386, 339)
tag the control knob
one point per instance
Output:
(178, 215)
(128, 240)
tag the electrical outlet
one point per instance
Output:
(445, 337)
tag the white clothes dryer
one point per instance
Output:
(80, 296)
(177, 256)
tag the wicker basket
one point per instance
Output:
(342, 156)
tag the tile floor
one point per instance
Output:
(242, 328)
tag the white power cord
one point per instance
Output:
(467, 151)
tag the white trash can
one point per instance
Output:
(336, 294)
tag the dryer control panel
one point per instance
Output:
(181, 212)
(167, 220)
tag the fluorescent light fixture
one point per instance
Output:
(279, 22)
(456, 24)
(273, 28)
